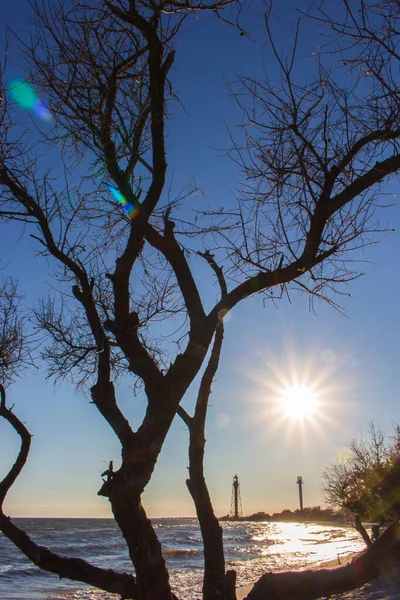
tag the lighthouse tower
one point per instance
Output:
(236, 502)
(300, 484)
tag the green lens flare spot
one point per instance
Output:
(129, 209)
(22, 93)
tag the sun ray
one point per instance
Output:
(314, 373)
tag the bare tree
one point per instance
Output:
(357, 480)
(314, 157)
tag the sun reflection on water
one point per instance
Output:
(254, 548)
(308, 541)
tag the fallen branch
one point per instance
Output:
(75, 569)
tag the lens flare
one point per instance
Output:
(223, 419)
(25, 96)
(130, 210)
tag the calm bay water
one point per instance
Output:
(251, 549)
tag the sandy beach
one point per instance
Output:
(382, 588)
(385, 587)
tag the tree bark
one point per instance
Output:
(230, 585)
(216, 585)
(378, 558)
(152, 579)
(361, 530)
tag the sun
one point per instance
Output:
(299, 402)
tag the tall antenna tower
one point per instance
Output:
(236, 501)
(300, 484)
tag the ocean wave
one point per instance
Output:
(251, 549)
(181, 539)
(88, 546)
(81, 595)
(9, 571)
(261, 539)
(179, 551)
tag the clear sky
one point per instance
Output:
(350, 362)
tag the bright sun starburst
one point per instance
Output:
(299, 402)
(297, 395)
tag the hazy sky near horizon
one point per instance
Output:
(350, 361)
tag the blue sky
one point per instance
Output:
(352, 360)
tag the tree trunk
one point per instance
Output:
(378, 558)
(214, 584)
(361, 530)
(152, 579)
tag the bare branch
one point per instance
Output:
(14, 354)
(22, 457)
(175, 255)
(72, 568)
(75, 569)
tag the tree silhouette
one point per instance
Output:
(314, 156)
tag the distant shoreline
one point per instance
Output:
(314, 514)
(250, 518)
(302, 521)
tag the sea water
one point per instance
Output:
(252, 548)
